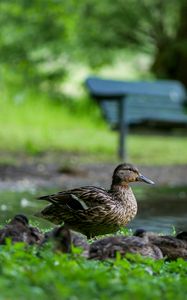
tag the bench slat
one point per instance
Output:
(160, 101)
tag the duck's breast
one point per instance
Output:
(126, 206)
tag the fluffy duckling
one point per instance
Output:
(35, 236)
(64, 239)
(171, 247)
(108, 247)
(95, 211)
(18, 230)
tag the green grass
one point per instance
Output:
(38, 123)
(32, 274)
(31, 122)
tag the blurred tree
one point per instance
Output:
(156, 26)
(39, 38)
(34, 40)
(171, 58)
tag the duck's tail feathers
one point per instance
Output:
(38, 214)
(43, 198)
(48, 198)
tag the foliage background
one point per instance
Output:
(40, 40)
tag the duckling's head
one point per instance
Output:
(182, 235)
(126, 173)
(20, 219)
(62, 239)
(140, 232)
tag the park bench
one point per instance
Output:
(126, 103)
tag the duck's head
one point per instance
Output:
(126, 173)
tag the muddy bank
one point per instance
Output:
(35, 173)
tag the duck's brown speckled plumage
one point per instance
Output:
(93, 210)
(108, 247)
(171, 247)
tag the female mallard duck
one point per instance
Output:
(18, 230)
(93, 210)
(108, 247)
(63, 239)
(171, 247)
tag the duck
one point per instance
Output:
(18, 230)
(172, 247)
(107, 248)
(95, 211)
(64, 240)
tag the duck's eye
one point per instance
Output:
(133, 170)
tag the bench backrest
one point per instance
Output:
(161, 101)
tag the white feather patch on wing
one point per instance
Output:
(82, 203)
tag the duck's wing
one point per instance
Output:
(81, 198)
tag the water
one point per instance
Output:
(161, 215)
(159, 209)
(25, 202)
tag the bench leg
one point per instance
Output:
(123, 130)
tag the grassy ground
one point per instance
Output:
(30, 274)
(32, 123)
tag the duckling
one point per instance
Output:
(64, 239)
(61, 238)
(108, 247)
(35, 236)
(18, 230)
(171, 247)
(93, 210)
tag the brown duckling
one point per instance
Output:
(61, 239)
(18, 230)
(108, 247)
(64, 239)
(171, 247)
(35, 236)
(95, 211)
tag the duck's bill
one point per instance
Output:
(145, 179)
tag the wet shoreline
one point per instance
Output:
(28, 176)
